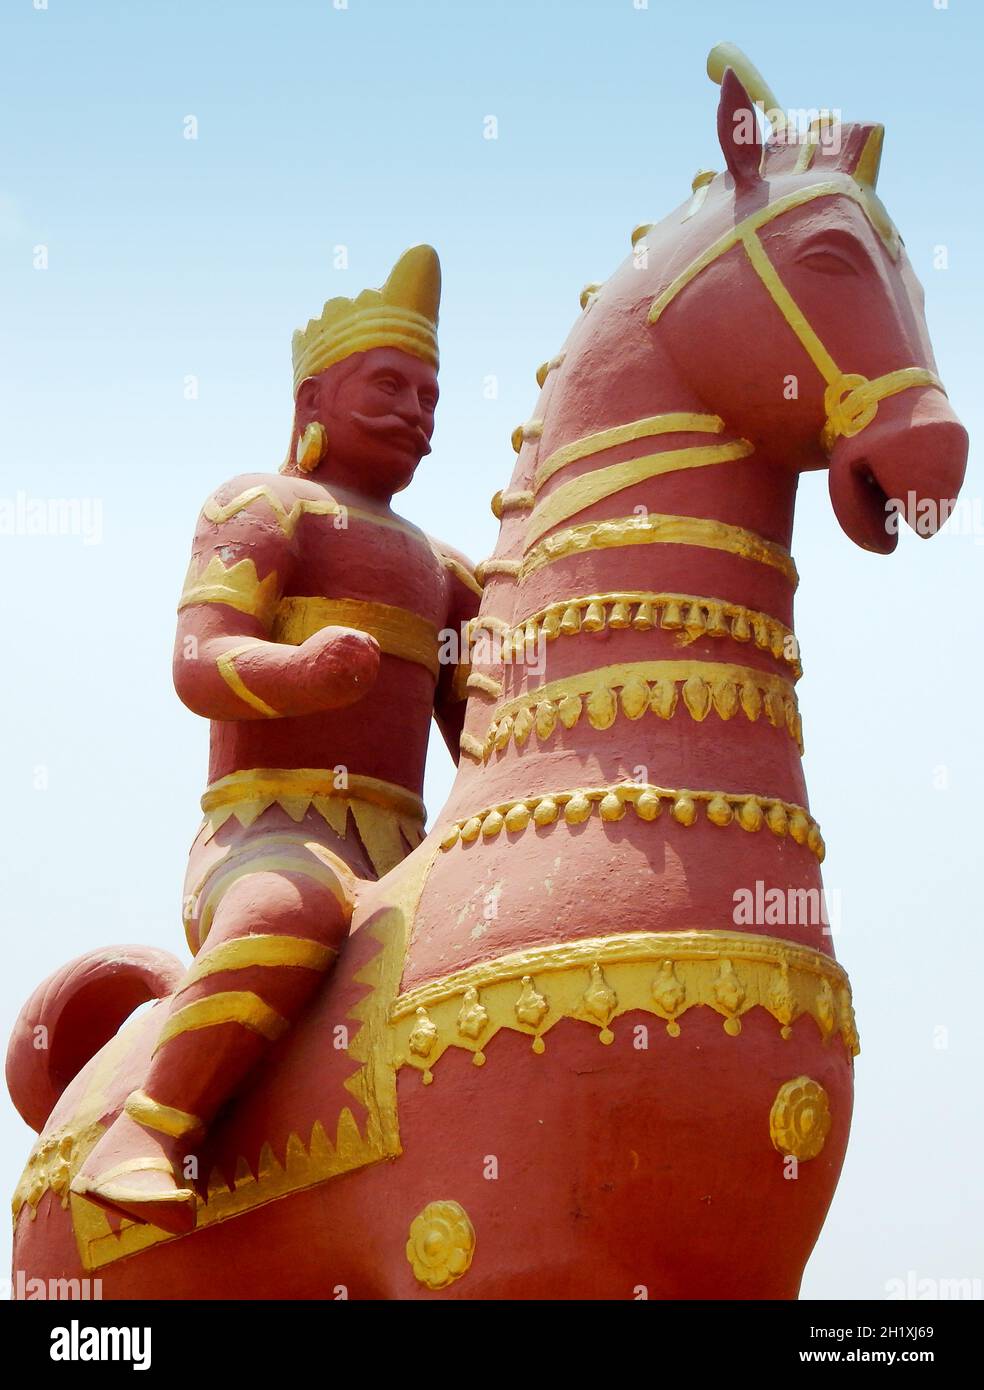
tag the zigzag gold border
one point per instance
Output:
(690, 615)
(58, 1155)
(750, 810)
(597, 979)
(642, 686)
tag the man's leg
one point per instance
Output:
(272, 935)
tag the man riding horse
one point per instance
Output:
(309, 635)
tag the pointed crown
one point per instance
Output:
(403, 314)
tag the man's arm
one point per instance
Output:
(224, 665)
(464, 601)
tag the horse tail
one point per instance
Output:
(73, 1013)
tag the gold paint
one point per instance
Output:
(288, 787)
(655, 528)
(728, 55)
(402, 314)
(288, 519)
(166, 1119)
(799, 1121)
(225, 664)
(304, 1163)
(545, 368)
(510, 502)
(705, 685)
(728, 240)
(484, 685)
(788, 307)
(584, 491)
(52, 1165)
(265, 950)
(280, 853)
(471, 747)
(441, 1244)
(526, 433)
(465, 576)
(235, 585)
(597, 979)
(398, 631)
(852, 401)
(506, 569)
(579, 803)
(679, 422)
(869, 161)
(230, 1006)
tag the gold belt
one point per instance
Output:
(386, 815)
(398, 631)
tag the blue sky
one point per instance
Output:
(362, 128)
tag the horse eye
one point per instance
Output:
(827, 262)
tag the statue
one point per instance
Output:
(559, 1054)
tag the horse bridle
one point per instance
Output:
(850, 399)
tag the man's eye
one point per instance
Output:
(387, 384)
(428, 403)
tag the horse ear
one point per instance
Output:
(738, 131)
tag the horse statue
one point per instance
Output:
(589, 1039)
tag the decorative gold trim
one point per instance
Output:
(441, 1244)
(471, 747)
(401, 314)
(235, 585)
(460, 572)
(799, 1120)
(263, 950)
(269, 853)
(484, 685)
(230, 1006)
(510, 502)
(165, 1119)
(678, 422)
(289, 785)
(398, 631)
(735, 235)
(382, 811)
(288, 519)
(600, 483)
(646, 685)
(655, 528)
(225, 664)
(545, 368)
(508, 569)
(690, 615)
(751, 810)
(597, 979)
(527, 433)
(301, 1163)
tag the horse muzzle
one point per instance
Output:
(909, 459)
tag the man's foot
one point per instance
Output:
(131, 1171)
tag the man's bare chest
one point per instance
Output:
(381, 578)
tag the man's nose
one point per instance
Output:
(408, 407)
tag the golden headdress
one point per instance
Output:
(403, 314)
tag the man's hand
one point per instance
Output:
(335, 667)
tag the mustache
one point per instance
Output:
(394, 429)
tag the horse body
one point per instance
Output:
(590, 1038)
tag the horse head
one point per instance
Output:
(782, 297)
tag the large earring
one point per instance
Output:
(311, 447)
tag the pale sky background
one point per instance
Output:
(363, 127)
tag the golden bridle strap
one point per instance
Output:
(850, 400)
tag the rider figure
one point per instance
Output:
(309, 635)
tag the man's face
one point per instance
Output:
(379, 418)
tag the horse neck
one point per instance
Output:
(749, 500)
